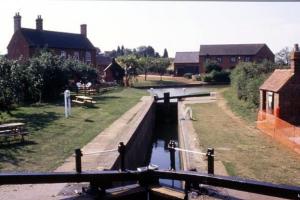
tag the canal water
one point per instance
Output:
(178, 91)
(166, 129)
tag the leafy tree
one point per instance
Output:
(283, 56)
(165, 55)
(247, 77)
(212, 65)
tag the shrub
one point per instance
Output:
(220, 76)
(247, 77)
(207, 78)
(212, 66)
(188, 75)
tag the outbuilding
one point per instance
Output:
(280, 93)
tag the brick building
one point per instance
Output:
(186, 62)
(228, 55)
(280, 93)
(27, 42)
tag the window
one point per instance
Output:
(76, 55)
(247, 59)
(233, 59)
(219, 59)
(88, 57)
(63, 54)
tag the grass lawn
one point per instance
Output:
(244, 151)
(53, 137)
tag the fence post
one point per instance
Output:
(210, 160)
(166, 97)
(171, 147)
(121, 150)
(78, 155)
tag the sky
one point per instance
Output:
(175, 25)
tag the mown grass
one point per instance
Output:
(244, 151)
(53, 137)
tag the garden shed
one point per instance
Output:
(280, 93)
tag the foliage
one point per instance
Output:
(141, 51)
(247, 77)
(165, 55)
(41, 78)
(283, 56)
(211, 65)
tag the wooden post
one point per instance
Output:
(166, 97)
(210, 160)
(121, 150)
(171, 147)
(78, 155)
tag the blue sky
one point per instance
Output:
(177, 26)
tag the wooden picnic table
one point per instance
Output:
(84, 100)
(13, 130)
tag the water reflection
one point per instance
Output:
(163, 133)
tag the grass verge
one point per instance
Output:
(244, 151)
(53, 137)
(242, 108)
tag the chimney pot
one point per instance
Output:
(39, 23)
(295, 60)
(83, 30)
(17, 22)
(296, 47)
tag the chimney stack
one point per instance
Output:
(17, 22)
(39, 23)
(83, 29)
(295, 60)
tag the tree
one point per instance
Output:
(283, 56)
(211, 65)
(165, 55)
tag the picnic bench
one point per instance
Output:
(14, 130)
(84, 100)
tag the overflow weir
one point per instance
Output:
(124, 165)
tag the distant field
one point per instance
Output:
(244, 151)
(53, 138)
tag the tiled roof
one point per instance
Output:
(187, 57)
(230, 49)
(53, 39)
(103, 60)
(277, 80)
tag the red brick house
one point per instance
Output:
(186, 62)
(228, 55)
(280, 93)
(27, 42)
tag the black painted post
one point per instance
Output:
(78, 155)
(121, 150)
(166, 97)
(210, 160)
(171, 147)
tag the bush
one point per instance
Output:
(188, 75)
(220, 76)
(212, 66)
(41, 78)
(247, 77)
(207, 78)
